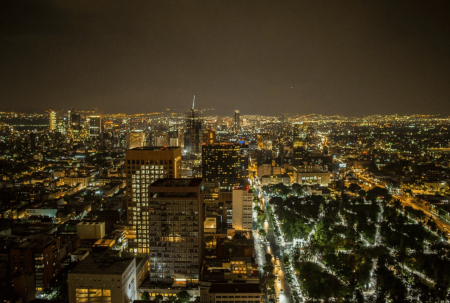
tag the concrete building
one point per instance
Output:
(135, 139)
(242, 209)
(143, 167)
(172, 228)
(79, 255)
(91, 230)
(276, 179)
(231, 292)
(41, 256)
(103, 279)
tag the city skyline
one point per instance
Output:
(354, 60)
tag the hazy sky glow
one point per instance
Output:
(261, 57)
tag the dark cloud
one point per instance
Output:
(267, 57)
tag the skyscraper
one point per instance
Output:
(52, 120)
(237, 121)
(193, 135)
(95, 126)
(75, 119)
(175, 216)
(224, 162)
(143, 167)
(299, 132)
(69, 118)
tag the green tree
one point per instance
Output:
(145, 295)
(183, 297)
(159, 298)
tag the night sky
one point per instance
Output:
(261, 57)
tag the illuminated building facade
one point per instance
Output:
(224, 162)
(175, 216)
(104, 279)
(135, 139)
(209, 137)
(143, 167)
(237, 120)
(95, 126)
(242, 209)
(52, 120)
(299, 133)
(194, 133)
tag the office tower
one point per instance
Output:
(173, 225)
(209, 137)
(193, 134)
(95, 126)
(237, 121)
(299, 132)
(224, 162)
(52, 120)
(144, 166)
(135, 139)
(69, 118)
(242, 209)
(75, 119)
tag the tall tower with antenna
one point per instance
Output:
(193, 135)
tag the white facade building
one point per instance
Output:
(103, 279)
(242, 209)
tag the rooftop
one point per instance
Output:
(177, 182)
(235, 288)
(156, 148)
(103, 265)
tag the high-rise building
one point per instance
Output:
(143, 167)
(52, 120)
(75, 119)
(95, 126)
(209, 137)
(224, 162)
(193, 135)
(174, 229)
(242, 209)
(69, 118)
(237, 120)
(135, 139)
(299, 133)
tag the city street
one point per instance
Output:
(277, 252)
(443, 225)
(261, 248)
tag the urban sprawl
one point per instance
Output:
(194, 206)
